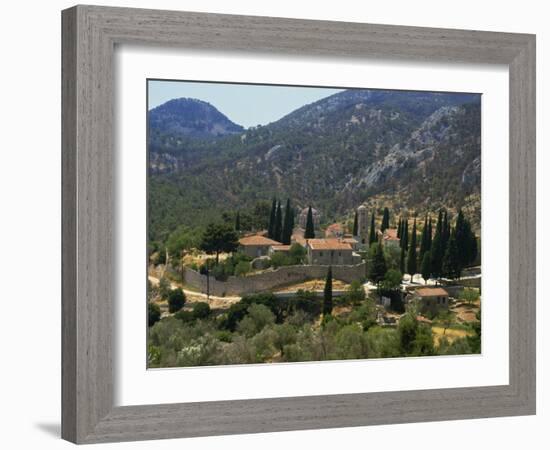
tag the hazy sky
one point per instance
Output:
(246, 105)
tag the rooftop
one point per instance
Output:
(328, 244)
(350, 240)
(257, 240)
(335, 226)
(390, 234)
(431, 292)
(281, 248)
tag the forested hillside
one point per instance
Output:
(419, 151)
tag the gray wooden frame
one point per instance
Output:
(89, 36)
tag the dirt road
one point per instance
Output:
(194, 296)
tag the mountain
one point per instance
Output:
(190, 118)
(413, 150)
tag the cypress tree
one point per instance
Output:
(376, 269)
(423, 240)
(405, 234)
(473, 246)
(429, 243)
(437, 248)
(411, 256)
(310, 228)
(466, 240)
(238, 222)
(271, 226)
(372, 231)
(327, 293)
(385, 220)
(278, 229)
(446, 230)
(451, 260)
(402, 261)
(355, 225)
(399, 224)
(425, 268)
(287, 225)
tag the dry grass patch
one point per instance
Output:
(450, 333)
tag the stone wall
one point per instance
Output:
(271, 279)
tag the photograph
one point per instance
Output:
(292, 224)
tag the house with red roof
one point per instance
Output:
(331, 252)
(255, 245)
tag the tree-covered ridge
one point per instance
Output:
(421, 149)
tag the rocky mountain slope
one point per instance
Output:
(421, 150)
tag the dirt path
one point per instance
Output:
(194, 296)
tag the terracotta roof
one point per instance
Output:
(328, 244)
(335, 227)
(299, 239)
(350, 240)
(391, 234)
(257, 240)
(281, 248)
(431, 292)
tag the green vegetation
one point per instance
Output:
(376, 266)
(176, 300)
(385, 220)
(469, 295)
(153, 313)
(411, 255)
(310, 226)
(262, 328)
(372, 231)
(327, 294)
(219, 238)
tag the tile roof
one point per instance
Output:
(328, 244)
(257, 240)
(280, 248)
(350, 240)
(391, 234)
(431, 292)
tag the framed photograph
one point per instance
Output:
(278, 224)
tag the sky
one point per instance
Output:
(245, 104)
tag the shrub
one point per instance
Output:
(383, 342)
(354, 293)
(351, 343)
(307, 302)
(164, 288)
(242, 268)
(201, 310)
(280, 259)
(176, 300)
(257, 317)
(234, 315)
(219, 273)
(184, 316)
(407, 333)
(153, 313)
(297, 254)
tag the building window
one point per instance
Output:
(320, 253)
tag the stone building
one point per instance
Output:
(279, 249)
(432, 299)
(331, 252)
(389, 237)
(362, 223)
(255, 246)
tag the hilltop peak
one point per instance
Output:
(191, 117)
